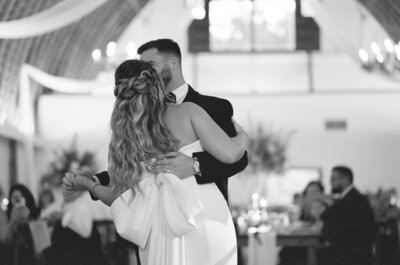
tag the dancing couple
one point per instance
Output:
(171, 153)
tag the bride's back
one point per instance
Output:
(178, 121)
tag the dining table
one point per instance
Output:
(291, 236)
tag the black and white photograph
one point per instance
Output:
(199, 132)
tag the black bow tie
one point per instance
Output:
(170, 98)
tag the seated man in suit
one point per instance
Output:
(349, 224)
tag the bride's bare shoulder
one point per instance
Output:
(190, 108)
(183, 113)
(185, 108)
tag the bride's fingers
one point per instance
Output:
(69, 190)
(163, 162)
(69, 174)
(66, 181)
(69, 178)
(68, 187)
(168, 155)
(163, 169)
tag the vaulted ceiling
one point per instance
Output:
(65, 52)
(387, 12)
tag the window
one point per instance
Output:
(281, 189)
(252, 25)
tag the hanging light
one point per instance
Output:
(380, 58)
(375, 48)
(111, 48)
(112, 57)
(363, 55)
(96, 55)
(131, 50)
(198, 11)
(389, 45)
(385, 60)
(397, 51)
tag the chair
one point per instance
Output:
(117, 250)
(387, 247)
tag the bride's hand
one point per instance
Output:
(68, 182)
(75, 181)
(241, 136)
(238, 128)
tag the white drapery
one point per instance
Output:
(103, 84)
(53, 18)
(26, 126)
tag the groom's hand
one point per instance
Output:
(175, 163)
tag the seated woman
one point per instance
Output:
(313, 191)
(312, 204)
(317, 207)
(15, 238)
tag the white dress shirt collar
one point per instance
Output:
(181, 92)
(346, 191)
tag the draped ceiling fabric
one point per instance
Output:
(64, 52)
(387, 12)
(51, 19)
(26, 114)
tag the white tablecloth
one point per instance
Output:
(262, 249)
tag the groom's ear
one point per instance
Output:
(175, 63)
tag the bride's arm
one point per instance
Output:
(74, 182)
(214, 140)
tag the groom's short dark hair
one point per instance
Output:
(163, 46)
(345, 172)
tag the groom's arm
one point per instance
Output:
(103, 178)
(213, 170)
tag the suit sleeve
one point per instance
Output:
(103, 177)
(104, 180)
(351, 217)
(212, 170)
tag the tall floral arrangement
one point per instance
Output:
(67, 160)
(385, 204)
(267, 149)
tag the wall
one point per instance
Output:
(268, 88)
(4, 165)
(370, 145)
(277, 73)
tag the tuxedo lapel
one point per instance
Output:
(191, 96)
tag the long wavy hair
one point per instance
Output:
(34, 211)
(138, 129)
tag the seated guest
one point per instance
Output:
(314, 190)
(311, 203)
(74, 239)
(317, 207)
(46, 198)
(16, 240)
(348, 223)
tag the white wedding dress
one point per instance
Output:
(177, 222)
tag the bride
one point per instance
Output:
(173, 221)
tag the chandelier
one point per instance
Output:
(384, 59)
(197, 8)
(109, 59)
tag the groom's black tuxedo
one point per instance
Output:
(212, 170)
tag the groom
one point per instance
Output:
(165, 57)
